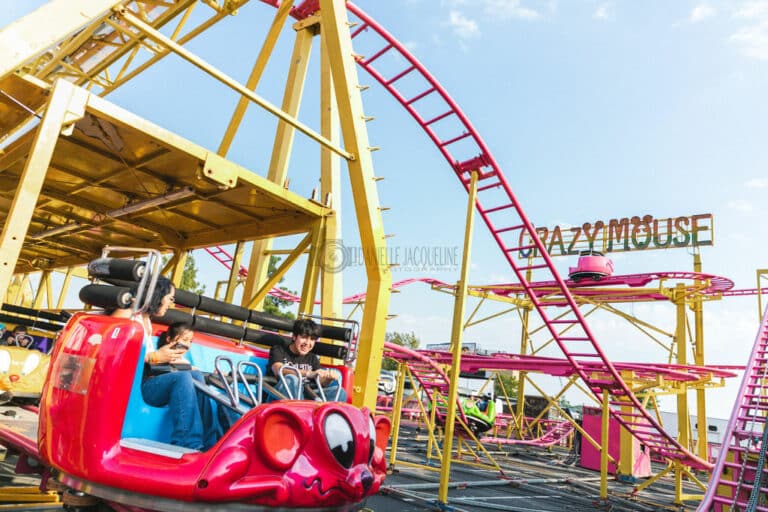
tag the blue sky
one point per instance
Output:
(593, 109)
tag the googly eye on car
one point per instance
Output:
(30, 363)
(341, 441)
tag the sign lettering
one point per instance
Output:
(624, 235)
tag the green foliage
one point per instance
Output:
(405, 339)
(509, 379)
(275, 305)
(189, 280)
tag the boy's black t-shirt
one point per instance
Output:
(281, 354)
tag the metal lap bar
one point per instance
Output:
(321, 391)
(286, 387)
(246, 384)
(230, 388)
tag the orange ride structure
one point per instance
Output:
(99, 175)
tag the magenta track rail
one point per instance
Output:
(503, 215)
(734, 474)
(555, 432)
(428, 373)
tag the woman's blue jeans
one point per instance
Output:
(191, 411)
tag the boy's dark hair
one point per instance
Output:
(306, 327)
(174, 330)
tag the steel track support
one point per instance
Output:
(605, 436)
(397, 408)
(457, 332)
(524, 344)
(626, 439)
(337, 41)
(683, 418)
(698, 360)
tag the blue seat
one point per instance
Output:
(147, 422)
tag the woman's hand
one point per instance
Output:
(166, 354)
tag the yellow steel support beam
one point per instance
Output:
(626, 439)
(36, 32)
(279, 272)
(520, 408)
(330, 192)
(337, 42)
(44, 291)
(223, 78)
(698, 360)
(258, 69)
(761, 275)
(65, 106)
(312, 274)
(281, 150)
(65, 287)
(604, 445)
(457, 332)
(178, 262)
(234, 272)
(397, 407)
(683, 424)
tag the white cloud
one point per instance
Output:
(757, 183)
(462, 26)
(510, 9)
(603, 12)
(701, 12)
(752, 39)
(757, 9)
(741, 205)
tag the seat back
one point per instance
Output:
(156, 423)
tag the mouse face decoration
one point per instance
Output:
(22, 371)
(308, 454)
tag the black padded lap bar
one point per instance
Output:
(62, 316)
(218, 307)
(129, 270)
(106, 296)
(29, 322)
(211, 326)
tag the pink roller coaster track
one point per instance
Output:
(508, 225)
(426, 366)
(737, 471)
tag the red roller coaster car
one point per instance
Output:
(591, 265)
(98, 436)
